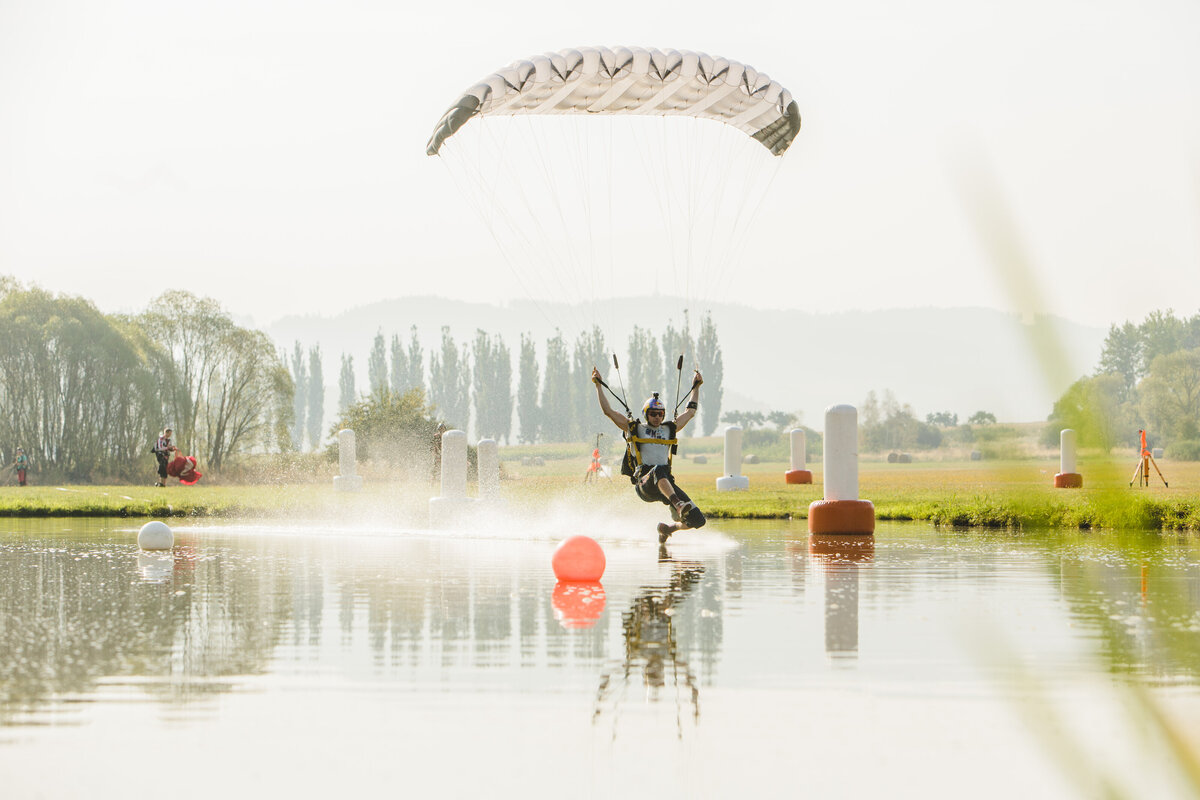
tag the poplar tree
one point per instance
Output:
(416, 362)
(299, 396)
(492, 382)
(503, 396)
(483, 383)
(346, 393)
(676, 343)
(377, 368)
(450, 382)
(712, 367)
(556, 391)
(528, 413)
(399, 373)
(643, 370)
(589, 352)
(316, 397)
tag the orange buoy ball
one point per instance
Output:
(578, 604)
(578, 558)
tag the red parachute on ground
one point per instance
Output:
(184, 468)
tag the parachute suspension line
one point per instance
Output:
(716, 158)
(655, 170)
(476, 204)
(449, 158)
(573, 267)
(521, 265)
(753, 198)
(668, 160)
(528, 263)
(586, 278)
(612, 269)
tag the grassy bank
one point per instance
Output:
(981, 494)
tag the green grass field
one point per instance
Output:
(1008, 494)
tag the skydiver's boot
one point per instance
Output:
(665, 531)
(684, 511)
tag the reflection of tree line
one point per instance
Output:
(1143, 599)
(69, 617)
(72, 615)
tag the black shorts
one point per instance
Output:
(162, 464)
(647, 489)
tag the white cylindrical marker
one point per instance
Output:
(733, 479)
(799, 447)
(488, 455)
(841, 453)
(349, 480)
(454, 464)
(1068, 476)
(1066, 451)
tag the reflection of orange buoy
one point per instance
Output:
(578, 558)
(842, 546)
(578, 604)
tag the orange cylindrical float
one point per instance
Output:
(841, 512)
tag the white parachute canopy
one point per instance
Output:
(622, 80)
(601, 173)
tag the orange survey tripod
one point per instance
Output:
(596, 467)
(1142, 473)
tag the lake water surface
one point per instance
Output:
(741, 661)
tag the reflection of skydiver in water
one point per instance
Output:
(650, 645)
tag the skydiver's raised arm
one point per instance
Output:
(615, 416)
(693, 403)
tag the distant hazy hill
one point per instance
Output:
(959, 359)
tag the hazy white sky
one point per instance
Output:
(271, 154)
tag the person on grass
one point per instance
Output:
(22, 465)
(162, 453)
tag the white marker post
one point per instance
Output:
(349, 480)
(450, 505)
(799, 472)
(488, 458)
(733, 480)
(1068, 477)
(841, 512)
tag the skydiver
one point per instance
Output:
(651, 444)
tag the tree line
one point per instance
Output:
(85, 393)
(1148, 378)
(551, 398)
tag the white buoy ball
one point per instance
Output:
(155, 536)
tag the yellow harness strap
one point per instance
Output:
(636, 440)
